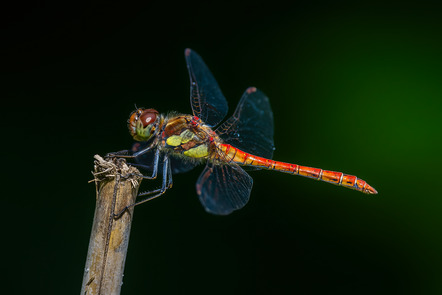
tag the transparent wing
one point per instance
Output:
(223, 188)
(250, 129)
(146, 160)
(207, 101)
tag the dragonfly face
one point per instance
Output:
(143, 123)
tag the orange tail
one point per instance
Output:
(338, 178)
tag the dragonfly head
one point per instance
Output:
(143, 123)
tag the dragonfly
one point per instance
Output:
(176, 143)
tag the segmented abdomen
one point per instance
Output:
(232, 154)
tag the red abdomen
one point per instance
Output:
(232, 154)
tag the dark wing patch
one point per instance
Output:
(207, 101)
(223, 188)
(250, 129)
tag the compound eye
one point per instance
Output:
(148, 117)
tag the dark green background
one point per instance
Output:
(354, 88)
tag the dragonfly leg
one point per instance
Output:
(154, 170)
(143, 151)
(167, 184)
(119, 154)
(125, 153)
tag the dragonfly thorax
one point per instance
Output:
(143, 123)
(186, 135)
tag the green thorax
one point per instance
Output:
(187, 136)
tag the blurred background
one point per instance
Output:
(354, 88)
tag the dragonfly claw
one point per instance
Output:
(119, 154)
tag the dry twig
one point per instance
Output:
(117, 187)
